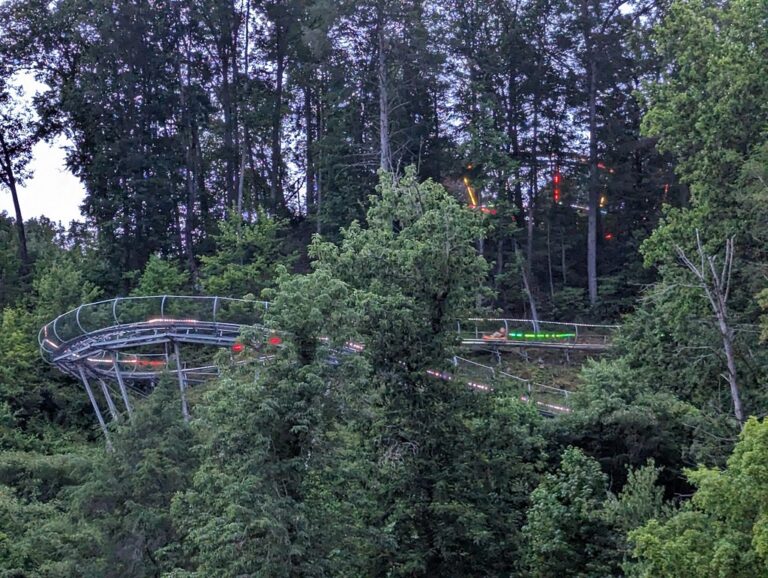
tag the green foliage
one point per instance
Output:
(161, 277)
(566, 533)
(622, 422)
(245, 259)
(37, 536)
(273, 446)
(26, 540)
(308, 459)
(124, 501)
(10, 263)
(415, 268)
(722, 531)
(709, 111)
(641, 499)
(61, 288)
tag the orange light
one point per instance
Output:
(238, 348)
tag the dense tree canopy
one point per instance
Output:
(384, 172)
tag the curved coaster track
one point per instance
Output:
(127, 343)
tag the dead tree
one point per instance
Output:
(716, 285)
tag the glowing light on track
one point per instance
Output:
(480, 386)
(470, 192)
(440, 375)
(355, 346)
(536, 336)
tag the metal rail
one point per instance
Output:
(549, 400)
(73, 326)
(129, 342)
(132, 341)
(477, 333)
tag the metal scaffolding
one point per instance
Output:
(130, 342)
(127, 342)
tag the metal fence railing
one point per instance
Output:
(527, 330)
(546, 398)
(114, 313)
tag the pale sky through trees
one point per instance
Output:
(52, 190)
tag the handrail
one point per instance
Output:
(540, 322)
(79, 321)
(92, 317)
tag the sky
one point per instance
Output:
(52, 190)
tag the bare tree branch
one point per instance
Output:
(716, 286)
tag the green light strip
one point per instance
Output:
(542, 335)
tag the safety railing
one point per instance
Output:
(546, 398)
(527, 330)
(161, 309)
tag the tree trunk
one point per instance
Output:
(190, 160)
(593, 203)
(10, 179)
(529, 293)
(309, 143)
(320, 133)
(229, 151)
(716, 287)
(243, 144)
(727, 334)
(278, 202)
(563, 263)
(549, 264)
(384, 144)
(532, 188)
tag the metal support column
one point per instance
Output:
(96, 408)
(121, 383)
(182, 384)
(110, 403)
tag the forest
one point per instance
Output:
(375, 174)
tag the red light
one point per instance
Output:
(556, 179)
(275, 340)
(608, 236)
(238, 348)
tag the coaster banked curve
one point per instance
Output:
(128, 343)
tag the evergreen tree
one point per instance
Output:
(566, 532)
(721, 531)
